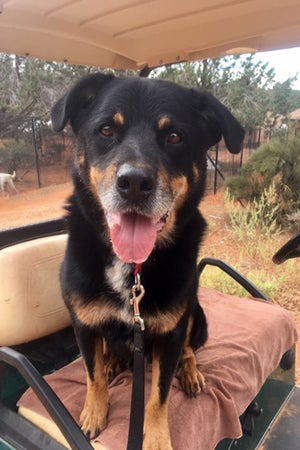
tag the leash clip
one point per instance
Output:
(138, 292)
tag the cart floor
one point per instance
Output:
(285, 431)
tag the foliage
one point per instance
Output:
(16, 155)
(251, 254)
(216, 279)
(29, 87)
(284, 99)
(246, 92)
(252, 237)
(257, 219)
(293, 219)
(255, 226)
(209, 74)
(246, 87)
(238, 82)
(273, 167)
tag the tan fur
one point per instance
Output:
(164, 122)
(191, 379)
(96, 176)
(96, 312)
(119, 118)
(93, 417)
(180, 188)
(113, 367)
(156, 428)
(196, 173)
(164, 322)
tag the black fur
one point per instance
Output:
(169, 275)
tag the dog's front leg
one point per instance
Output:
(165, 358)
(93, 418)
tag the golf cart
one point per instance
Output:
(251, 400)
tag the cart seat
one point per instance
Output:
(247, 338)
(31, 305)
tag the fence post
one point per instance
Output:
(216, 171)
(242, 155)
(37, 161)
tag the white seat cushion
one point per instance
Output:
(31, 305)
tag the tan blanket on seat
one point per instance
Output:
(246, 341)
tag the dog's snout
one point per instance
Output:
(135, 183)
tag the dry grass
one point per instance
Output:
(253, 257)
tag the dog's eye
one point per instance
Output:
(174, 138)
(107, 131)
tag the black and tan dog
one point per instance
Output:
(138, 179)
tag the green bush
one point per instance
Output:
(17, 154)
(214, 278)
(257, 218)
(275, 164)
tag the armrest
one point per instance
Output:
(49, 399)
(233, 273)
(291, 249)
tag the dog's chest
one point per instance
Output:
(117, 277)
(113, 304)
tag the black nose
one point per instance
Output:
(135, 183)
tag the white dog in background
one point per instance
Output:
(7, 180)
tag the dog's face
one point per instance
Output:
(144, 153)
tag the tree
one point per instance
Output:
(237, 81)
(209, 74)
(275, 164)
(246, 91)
(17, 155)
(283, 98)
(29, 87)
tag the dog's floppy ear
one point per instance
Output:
(220, 122)
(77, 99)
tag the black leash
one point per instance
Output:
(136, 423)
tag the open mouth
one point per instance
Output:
(133, 236)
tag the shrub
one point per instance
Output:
(216, 279)
(17, 154)
(258, 218)
(274, 164)
(293, 219)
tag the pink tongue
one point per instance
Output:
(133, 237)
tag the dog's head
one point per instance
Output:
(144, 155)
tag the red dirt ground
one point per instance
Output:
(42, 204)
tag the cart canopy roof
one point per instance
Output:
(137, 33)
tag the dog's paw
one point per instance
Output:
(113, 367)
(191, 379)
(93, 419)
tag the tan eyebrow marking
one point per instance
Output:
(164, 122)
(119, 118)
